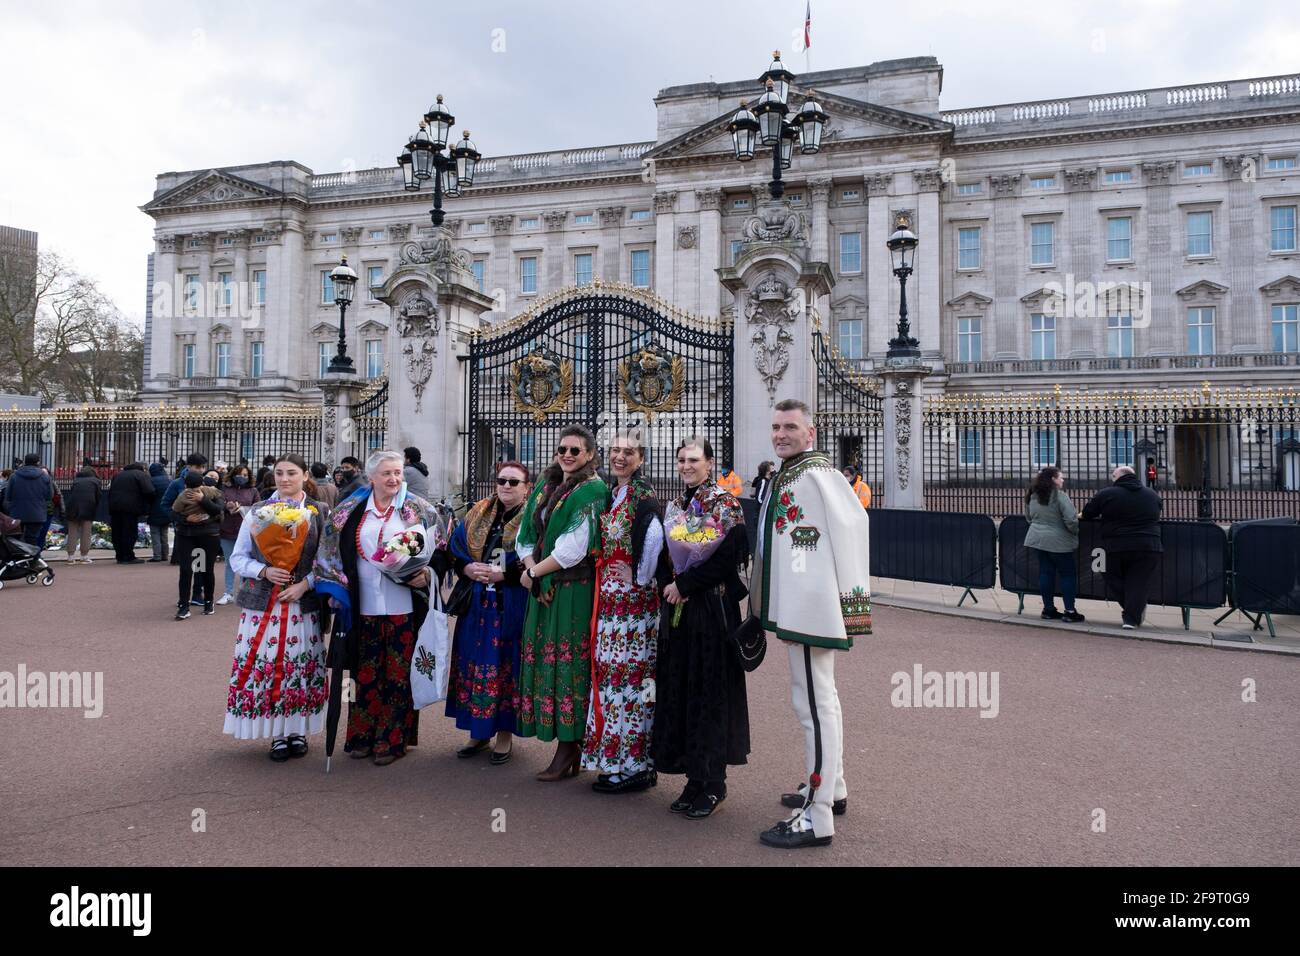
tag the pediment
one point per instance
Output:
(210, 188)
(1202, 289)
(1040, 296)
(219, 328)
(321, 327)
(849, 301)
(372, 325)
(1287, 285)
(850, 119)
(970, 300)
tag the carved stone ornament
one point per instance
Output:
(437, 252)
(708, 198)
(501, 225)
(878, 183)
(903, 431)
(399, 231)
(555, 219)
(350, 234)
(652, 381)
(1082, 178)
(665, 202)
(769, 313)
(928, 180)
(166, 244)
(541, 383)
(419, 367)
(417, 317)
(686, 236)
(774, 222)
(611, 215)
(222, 192)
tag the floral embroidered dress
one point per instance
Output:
(482, 692)
(277, 678)
(555, 666)
(619, 719)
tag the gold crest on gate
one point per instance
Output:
(652, 381)
(541, 383)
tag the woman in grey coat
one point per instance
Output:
(1054, 534)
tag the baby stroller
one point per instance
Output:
(18, 559)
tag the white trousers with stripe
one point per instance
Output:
(817, 706)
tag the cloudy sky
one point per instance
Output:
(100, 98)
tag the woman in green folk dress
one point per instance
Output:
(558, 533)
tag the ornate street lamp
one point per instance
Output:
(766, 124)
(429, 156)
(902, 249)
(344, 279)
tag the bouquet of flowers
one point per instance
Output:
(693, 536)
(280, 529)
(405, 554)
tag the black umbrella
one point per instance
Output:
(342, 655)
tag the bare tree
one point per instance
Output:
(52, 319)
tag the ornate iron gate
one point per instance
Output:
(370, 419)
(605, 355)
(850, 414)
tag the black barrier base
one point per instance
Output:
(1253, 620)
(964, 594)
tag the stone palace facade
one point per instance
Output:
(1105, 241)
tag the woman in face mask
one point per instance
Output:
(240, 495)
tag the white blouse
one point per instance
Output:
(242, 560)
(570, 547)
(380, 594)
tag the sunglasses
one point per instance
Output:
(510, 481)
(575, 451)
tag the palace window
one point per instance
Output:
(329, 237)
(969, 336)
(640, 215)
(641, 268)
(851, 338)
(968, 247)
(1119, 447)
(1042, 243)
(1286, 329)
(528, 223)
(1119, 239)
(187, 361)
(1043, 182)
(528, 275)
(849, 195)
(1200, 330)
(970, 447)
(374, 279)
(737, 245)
(850, 253)
(259, 287)
(1282, 227)
(1044, 452)
(323, 356)
(1200, 234)
(326, 288)
(1042, 336)
(1198, 169)
(191, 293)
(740, 204)
(1281, 162)
(227, 288)
(582, 268)
(477, 228)
(584, 219)
(374, 358)
(1119, 336)
(256, 351)
(479, 268)
(376, 233)
(1116, 176)
(222, 359)
(969, 189)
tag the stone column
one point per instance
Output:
(1155, 331)
(555, 251)
(339, 437)
(295, 296)
(611, 242)
(876, 264)
(820, 227)
(1245, 332)
(665, 244)
(168, 303)
(1002, 254)
(904, 462)
(435, 306)
(773, 283)
(1080, 257)
(241, 311)
(925, 306)
(502, 262)
(709, 202)
(208, 306)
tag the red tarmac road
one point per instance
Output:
(1155, 735)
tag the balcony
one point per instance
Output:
(1131, 364)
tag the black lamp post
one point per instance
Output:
(344, 279)
(902, 249)
(766, 124)
(423, 159)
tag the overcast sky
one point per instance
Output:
(100, 98)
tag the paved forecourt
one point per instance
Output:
(1157, 737)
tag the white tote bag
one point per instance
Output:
(431, 660)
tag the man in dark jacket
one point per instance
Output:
(160, 522)
(129, 496)
(1130, 540)
(27, 498)
(80, 505)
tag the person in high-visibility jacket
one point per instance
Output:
(860, 487)
(730, 482)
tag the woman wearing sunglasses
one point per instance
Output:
(558, 533)
(485, 651)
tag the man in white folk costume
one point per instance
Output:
(810, 588)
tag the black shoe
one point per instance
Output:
(297, 745)
(705, 805)
(1050, 614)
(687, 799)
(208, 608)
(156, 560)
(498, 759)
(474, 748)
(796, 800)
(280, 751)
(630, 784)
(182, 612)
(785, 837)
(1072, 617)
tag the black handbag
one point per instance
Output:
(461, 597)
(749, 641)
